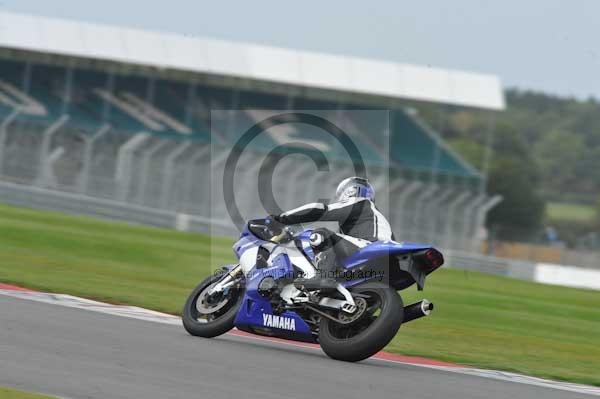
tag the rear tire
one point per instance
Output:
(341, 342)
(223, 320)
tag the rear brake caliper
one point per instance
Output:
(360, 307)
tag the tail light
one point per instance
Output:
(431, 259)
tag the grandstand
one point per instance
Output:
(121, 121)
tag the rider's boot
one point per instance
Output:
(324, 278)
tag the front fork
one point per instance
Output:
(226, 281)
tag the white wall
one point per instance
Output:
(568, 276)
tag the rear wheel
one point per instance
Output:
(207, 315)
(363, 334)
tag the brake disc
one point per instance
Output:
(208, 304)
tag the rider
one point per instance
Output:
(360, 223)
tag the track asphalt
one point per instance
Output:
(75, 353)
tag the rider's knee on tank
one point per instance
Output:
(321, 238)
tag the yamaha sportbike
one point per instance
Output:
(352, 317)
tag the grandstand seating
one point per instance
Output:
(415, 146)
(132, 103)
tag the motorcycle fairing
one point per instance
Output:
(387, 260)
(303, 241)
(378, 249)
(256, 313)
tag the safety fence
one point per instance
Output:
(148, 179)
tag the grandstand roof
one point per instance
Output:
(255, 63)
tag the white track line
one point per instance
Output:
(134, 312)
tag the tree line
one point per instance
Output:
(545, 148)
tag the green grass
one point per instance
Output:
(570, 212)
(116, 262)
(479, 320)
(6, 393)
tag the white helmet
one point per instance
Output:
(354, 187)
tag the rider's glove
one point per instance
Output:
(274, 225)
(272, 218)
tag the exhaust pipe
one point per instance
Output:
(417, 310)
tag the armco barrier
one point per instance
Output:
(41, 198)
(545, 273)
(492, 265)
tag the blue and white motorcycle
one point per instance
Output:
(351, 320)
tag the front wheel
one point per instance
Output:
(382, 313)
(207, 315)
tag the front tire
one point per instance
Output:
(210, 325)
(370, 333)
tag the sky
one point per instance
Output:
(544, 45)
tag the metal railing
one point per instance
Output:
(143, 178)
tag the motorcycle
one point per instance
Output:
(351, 319)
